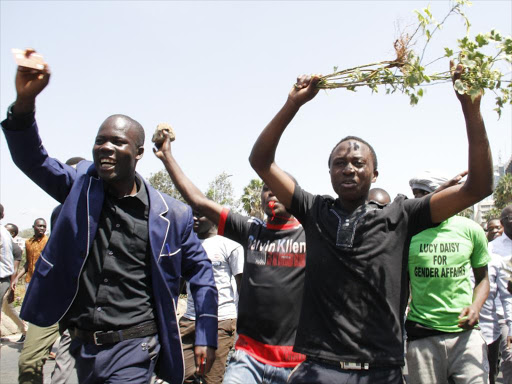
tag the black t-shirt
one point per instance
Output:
(17, 252)
(356, 289)
(272, 285)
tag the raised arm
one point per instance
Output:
(478, 185)
(29, 83)
(263, 152)
(22, 135)
(197, 200)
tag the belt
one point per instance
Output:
(343, 364)
(111, 337)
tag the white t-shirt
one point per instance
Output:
(227, 259)
(502, 248)
(6, 258)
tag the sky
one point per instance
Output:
(218, 71)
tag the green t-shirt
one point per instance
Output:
(440, 263)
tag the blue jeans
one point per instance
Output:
(245, 369)
(316, 372)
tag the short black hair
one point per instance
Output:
(507, 208)
(74, 160)
(1, 209)
(492, 219)
(14, 228)
(140, 134)
(372, 151)
(40, 219)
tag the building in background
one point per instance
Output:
(481, 209)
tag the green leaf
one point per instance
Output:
(448, 52)
(468, 63)
(427, 11)
(481, 40)
(459, 86)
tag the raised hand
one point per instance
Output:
(164, 149)
(304, 89)
(29, 83)
(453, 181)
(457, 71)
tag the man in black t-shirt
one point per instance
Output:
(355, 290)
(272, 283)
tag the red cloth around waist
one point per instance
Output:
(275, 355)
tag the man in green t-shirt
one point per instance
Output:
(444, 342)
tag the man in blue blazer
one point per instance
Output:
(111, 269)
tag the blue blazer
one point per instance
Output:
(175, 249)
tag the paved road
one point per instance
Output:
(9, 353)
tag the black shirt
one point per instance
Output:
(17, 252)
(356, 289)
(272, 286)
(115, 285)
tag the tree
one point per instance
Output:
(162, 182)
(467, 213)
(251, 199)
(503, 193)
(220, 190)
(26, 233)
(502, 196)
(493, 213)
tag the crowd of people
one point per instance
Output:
(324, 290)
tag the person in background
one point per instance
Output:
(442, 342)
(10, 257)
(379, 195)
(228, 263)
(493, 229)
(501, 250)
(33, 248)
(13, 230)
(39, 340)
(7, 307)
